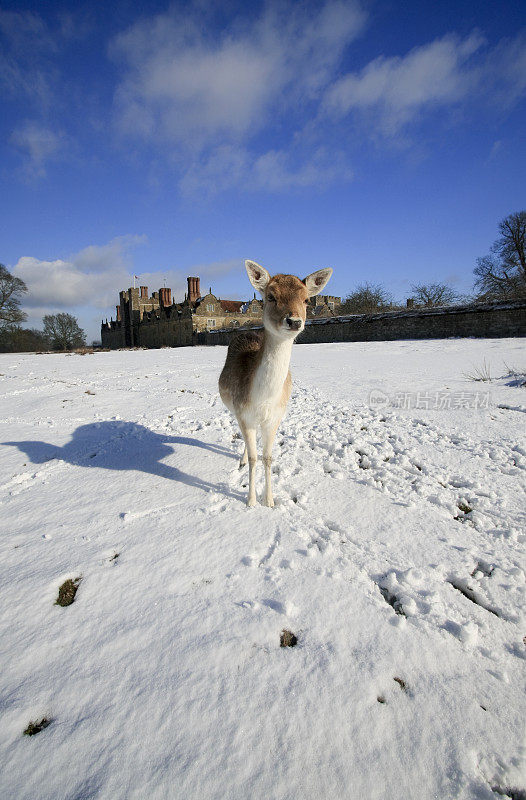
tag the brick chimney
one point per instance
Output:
(165, 297)
(144, 292)
(118, 313)
(194, 290)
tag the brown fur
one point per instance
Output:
(243, 357)
(290, 298)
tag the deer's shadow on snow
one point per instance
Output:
(127, 446)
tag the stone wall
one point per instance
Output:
(174, 330)
(170, 330)
(488, 320)
(112, 335)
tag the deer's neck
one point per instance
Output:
(273, 366)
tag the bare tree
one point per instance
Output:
(433, 294)
(10, 290)
(63, 332)
(502, 273)
(366, 299)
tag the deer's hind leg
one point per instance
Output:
(249, 435)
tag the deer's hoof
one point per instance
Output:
(251, 502)
(269, 502)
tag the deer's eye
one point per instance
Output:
(271, 298)
(307, 301)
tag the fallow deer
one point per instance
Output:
(255, 383)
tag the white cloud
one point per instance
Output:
(188, 85)
(90, 277)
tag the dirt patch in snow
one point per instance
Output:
(36, 727)
(287, 639)
(67, 592)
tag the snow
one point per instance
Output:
(165, 677)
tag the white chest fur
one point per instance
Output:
(269, 378)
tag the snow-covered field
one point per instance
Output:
(165, 678)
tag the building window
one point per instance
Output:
(210, 307)
(211, 323)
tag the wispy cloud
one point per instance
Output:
(188, 81)
(34, 84)
(231, 166)
(398, 88)
(212, 95)
(27, 48)
(448, 73)
(243, 97)
(208, 93)
(39, 144)
(116, 255)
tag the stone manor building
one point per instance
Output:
(156, 321)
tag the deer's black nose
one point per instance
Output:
(294, 324)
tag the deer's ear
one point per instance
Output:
(258, 276)
(316, 281)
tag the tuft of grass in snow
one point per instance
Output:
(67, 592)
(464, 507)
(481, 373)
(287, 639)
(381, 699)
(402, 684)
(36, 727)
(518, 376)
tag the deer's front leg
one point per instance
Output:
(244, 458)
(268, 434)
(249, 435)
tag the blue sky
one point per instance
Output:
(384, 139)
